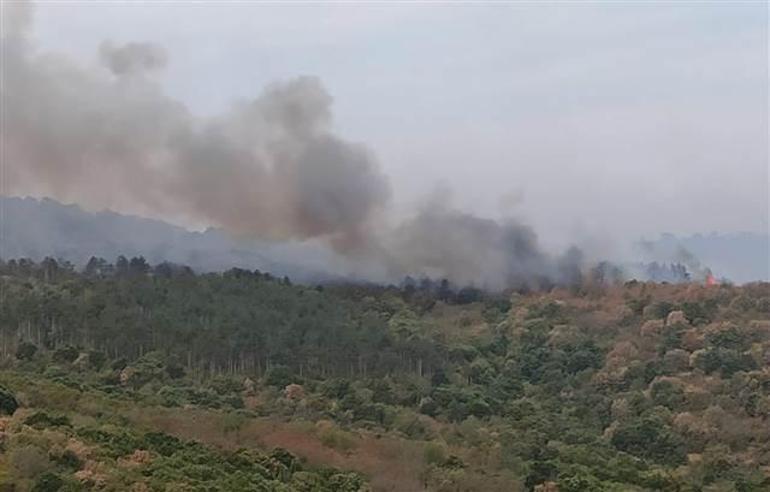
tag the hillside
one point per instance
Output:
(142, 378)
(33, 228)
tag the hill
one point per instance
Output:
(161, 379)
(35, 229)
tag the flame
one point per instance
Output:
(711, 280)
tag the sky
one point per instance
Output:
(591, 121)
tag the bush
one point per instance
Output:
(661, 309)
(335, 388)
(48, 482)
(147, 368)
(175, 371)
(68, 459)
(66, 354)
(345, 482)
(336, 439)
(8, 402)
(26, 351)
(41, 420)
(434, 454)
(698, 313)
(29, 461)
(96, 359)
(279, 376)
(162, 443)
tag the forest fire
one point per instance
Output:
(711, 280)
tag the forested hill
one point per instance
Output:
(630, 387)
(32, 228)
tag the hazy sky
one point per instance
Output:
(612, 119)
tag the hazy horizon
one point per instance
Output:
(518, 109)
(414, 134)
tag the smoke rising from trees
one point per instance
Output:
(271, 167)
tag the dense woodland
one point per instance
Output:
(131, 375)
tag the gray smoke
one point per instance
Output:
(443, 243)
(132, 58)
(270, 168)
(111, 138)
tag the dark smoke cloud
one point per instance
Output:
(270, 168)
(445, 243)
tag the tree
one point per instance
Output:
(96, 267)
(667, 394)
(138, 266)
(121, 265)
(649, 437)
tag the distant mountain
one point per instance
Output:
(38, 228)
(740, 257)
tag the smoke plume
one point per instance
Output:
(270, 168)
(132, 57)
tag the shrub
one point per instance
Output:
(434, 454)
(346, 482)
(336, 439)
(68, 459)
(661, 309)
(147, 368)
(66, 354)
(41, 420)
(699, 312)
(279, 376)
(288, 460)
(729, 338)
(162, 443)
(584, 356)
(335, 388)
(48, 482)
(8, 402)
(26, 350)
(579, 481)
(428, 406)
(96, 359)
(226, 386)
(28, 461)
(175, 371)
